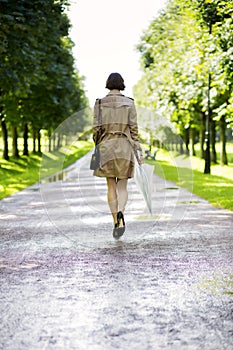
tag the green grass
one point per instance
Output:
(229, 150)
(54, 162)
(218, 284)
(186, 172)
(19, 173)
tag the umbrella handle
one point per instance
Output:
(137, 156)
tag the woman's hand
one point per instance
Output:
(139, 157)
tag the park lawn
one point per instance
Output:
(19, 173)
(187, 172)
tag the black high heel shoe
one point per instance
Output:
(121, 223)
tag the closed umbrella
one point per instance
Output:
(143, 178)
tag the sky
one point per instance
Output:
(105, 34)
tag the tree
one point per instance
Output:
(172, 60)
(36, 67)
(186, 56)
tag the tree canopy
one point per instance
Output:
(188, 41)
(39, 85)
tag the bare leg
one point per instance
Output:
(122, 193)
(112, 197)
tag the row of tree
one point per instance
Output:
(187, 59)
(39, 85)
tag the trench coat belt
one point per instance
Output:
(116, 133)
(123, 134)
(120, 133)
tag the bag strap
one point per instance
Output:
(99, 115)
(99, 123)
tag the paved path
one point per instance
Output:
(66, 284)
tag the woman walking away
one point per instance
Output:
(116, 132)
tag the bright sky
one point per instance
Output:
(105, 34)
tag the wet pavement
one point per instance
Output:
(67, 284)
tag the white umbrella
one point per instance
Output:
(143, 178)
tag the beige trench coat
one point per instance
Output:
(119, 135)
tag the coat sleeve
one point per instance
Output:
(133, 126)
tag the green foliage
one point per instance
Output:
(177, 65)
(17, 174)
(39, 84)
(183, 45)
(28, 29)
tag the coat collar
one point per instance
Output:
(114, 92)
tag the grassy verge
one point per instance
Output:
(19, 173)
(186, 172)
(218, 284)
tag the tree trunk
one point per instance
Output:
(5, 138)
(49, 141)
(213, 137)
(223, 153)
(15, 150)
(25, 140)
(54, 141)
(202, 135)
(39, 141)
(34, 140)
(181, 146)
(186, 140)
(58, 141)
(191, 141)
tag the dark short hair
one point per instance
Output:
(115, 81)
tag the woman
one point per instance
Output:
(116, 131)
